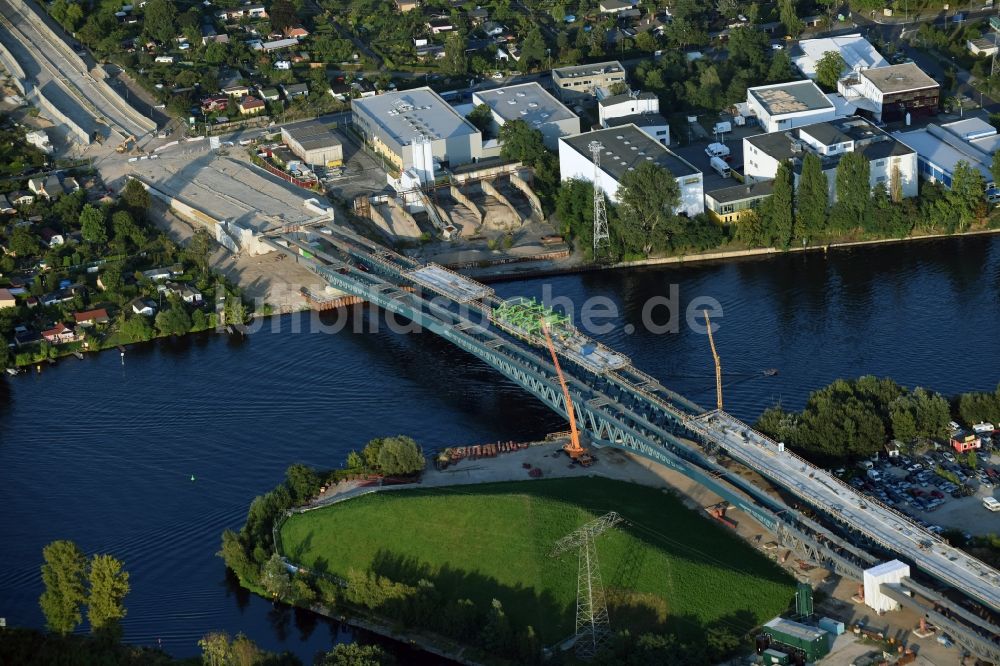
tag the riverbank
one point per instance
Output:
(512, 271)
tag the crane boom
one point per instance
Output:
(574, 449)
(718, 362)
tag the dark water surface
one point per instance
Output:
(103, 453)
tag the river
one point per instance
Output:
(151, 458)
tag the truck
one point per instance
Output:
(720, 166)
(722, 127)
(717, 150)
(991, 504)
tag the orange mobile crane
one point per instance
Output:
(573, 449)
(718, 363)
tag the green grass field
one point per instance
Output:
(668, 570)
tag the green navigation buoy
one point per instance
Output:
(192, 477)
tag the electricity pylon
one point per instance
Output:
(601, 234)
(592, 625)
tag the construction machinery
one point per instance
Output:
(718, 363)
(574, 449)
(124, 145)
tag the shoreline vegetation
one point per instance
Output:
(503, 606)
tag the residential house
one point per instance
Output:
(40, 140)
(293, 90)
(493, 29)
(48, 187)
(407, 5)
(440, 24)
(250, 11)
(164, 59)
(965, 441)
(614, 6)
(430, 51)
(236, 90)
(142, 306)
(478, 15)
(298, 32)
(5, 206)
(251, 105)
(987, 45)
(52, 237)
(91, 317)
(279, 44)
(283, 65)
(21, 198)
(24, 336)
(420, 41)
(212, 104)
(270, 94)
(7, 299)
(59, 334)
(157, 274)
(341, 91)
(185, 292)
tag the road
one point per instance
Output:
(47, 62)
(886, 526)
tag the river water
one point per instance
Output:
(151, 458)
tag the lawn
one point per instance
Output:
(669, 569)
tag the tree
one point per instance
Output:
(789, 17)
(647, 199)
(303, 482)
(136, 328)
(125, 228)
(160, 20)
(967, 194)
(532, 48)
(356, 654)
(829, 68)
(777, 210)
(521, 142)
(23, 243)
(275, 578)
(63, 575)
(497, 633)
(199, 248)
(281, 14)
(455, 62)
(173, 320)
(134, 195)
(781, 67)
(812, 198)
(92, 225)
(853, 186)
(482, 118)
(108, 588)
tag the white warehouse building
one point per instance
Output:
(532, 104)
(639, 109)
(784, 106)
(857, 52)
(762, 153)
(409, 127)
(623, 149)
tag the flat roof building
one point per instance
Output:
(582, 81)
(891, 93)
(623, 150)
(783, 106)
(762, 153)
(535, 106)
(941, 147)
(729, 204)
(313, 143)
(393, 123)
(857, 52)
(639, 109)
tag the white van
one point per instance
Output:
(720, 166)
(983, 428)
(991, 503)
(717, 150)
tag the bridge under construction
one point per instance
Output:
(620, 406)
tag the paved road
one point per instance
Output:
(47, 63)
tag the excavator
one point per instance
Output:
(573, 449)
(124, 145)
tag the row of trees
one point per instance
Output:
(806, 214)
(72, 582)
(391, 456)
(856, 418)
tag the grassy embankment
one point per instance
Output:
(668, 570)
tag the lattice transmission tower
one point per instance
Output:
(601, 235)
(592, 625)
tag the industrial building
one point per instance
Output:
(857, 52)
(941, 147)
(887, 573)
(784, 106)
(830, 141)
(892, 93)
(580, 82)
(535, 106)
(313, 143)
(794, 636)
(639, 109)
(729, 204)
(623, 149)
(413, 129)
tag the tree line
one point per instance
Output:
(806, 215)
(854, 419)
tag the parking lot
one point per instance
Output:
(694, 152)
(940, 489)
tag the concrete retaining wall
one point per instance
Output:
(76, 132)
(522, 184)
(10, 63)
(495, 193)
(460, 197)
